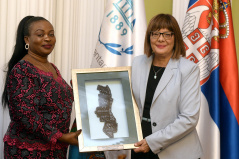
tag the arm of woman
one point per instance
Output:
(24, 97)
(189, 106)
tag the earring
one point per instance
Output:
(27, 46)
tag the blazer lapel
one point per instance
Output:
(144, 79)
(166, 77)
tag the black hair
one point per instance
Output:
(19, 49)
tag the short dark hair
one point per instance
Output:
(165, 21)
(19, 49)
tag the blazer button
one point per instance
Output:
(154, 124)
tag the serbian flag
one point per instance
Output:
(209, 41)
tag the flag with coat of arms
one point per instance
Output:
(120, 39)
(209, 40)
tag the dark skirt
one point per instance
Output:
(147, 130)
(12, 152)
(148, 155)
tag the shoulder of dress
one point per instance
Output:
(23, 64)
(24, 67)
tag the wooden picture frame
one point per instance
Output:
(105, 109)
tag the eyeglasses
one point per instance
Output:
(166, 35)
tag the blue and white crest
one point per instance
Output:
(116, 35)
(120, 23)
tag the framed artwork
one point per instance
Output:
(105, 109)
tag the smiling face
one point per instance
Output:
(161, 47)
(41, 39)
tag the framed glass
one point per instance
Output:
(105, 109)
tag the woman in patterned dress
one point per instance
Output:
(38, 98)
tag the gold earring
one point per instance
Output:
(27, 46)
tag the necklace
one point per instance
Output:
(155, 73)
(44, 66)
(40, 63)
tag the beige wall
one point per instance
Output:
(153, 7)
(235, 16)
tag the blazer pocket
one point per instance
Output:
(160, 125)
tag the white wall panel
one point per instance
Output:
(76, 24)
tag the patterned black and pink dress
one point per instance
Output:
(39, 108)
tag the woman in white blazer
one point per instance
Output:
(166, 88)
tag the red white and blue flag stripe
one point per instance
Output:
(209, 41)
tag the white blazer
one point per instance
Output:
(175, 107)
